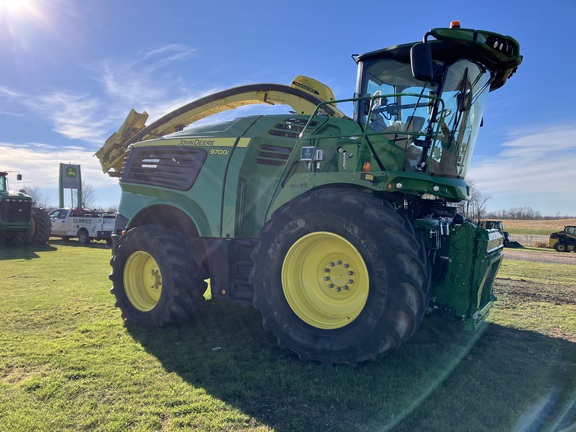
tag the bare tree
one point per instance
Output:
(38, 198)
(88, 195)
(475, 208)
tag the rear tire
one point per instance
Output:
(37, 233)
(156, 276)
(16, 238)
(339, 277)
(83, 236)
(41, 227)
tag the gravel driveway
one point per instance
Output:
(529, 239)
(545, 256)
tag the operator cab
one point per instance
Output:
(428, 98)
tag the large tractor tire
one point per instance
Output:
(340, 277)
(14, 238)
(39, 232)
(156, 276)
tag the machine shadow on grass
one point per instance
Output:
(100, 244)
(26, 252)
(443, 377)
(30, 251)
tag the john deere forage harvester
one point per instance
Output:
(342, 230)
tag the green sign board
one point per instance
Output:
(70, 176)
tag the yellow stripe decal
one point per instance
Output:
(198, 142)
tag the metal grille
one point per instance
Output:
(168, 167)
(273, 155)
(15, 210)
(291, 128)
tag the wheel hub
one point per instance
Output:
(142, 281)
(339, 275)
(325, 280)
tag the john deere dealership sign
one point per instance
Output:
(70, 176)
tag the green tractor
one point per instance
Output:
(564, 241)
(343, 230)
(20, 222)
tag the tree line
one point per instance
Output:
(476, 208)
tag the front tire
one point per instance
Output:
(339, 277)
(156, 276)
(561, 247)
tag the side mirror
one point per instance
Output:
(421, 62)
(18, 177)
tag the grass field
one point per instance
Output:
(538, 227)
(68, 362)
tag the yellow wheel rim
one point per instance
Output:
(325, 280)
(142, 281)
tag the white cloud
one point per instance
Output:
(75, 116)
(535, 170)
(166, 55)
(139, 83)
(143, 81)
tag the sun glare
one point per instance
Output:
(14, 6)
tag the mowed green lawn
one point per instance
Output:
(68, 362)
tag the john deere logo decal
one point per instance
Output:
(71, 172)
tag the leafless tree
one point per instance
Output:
(475, 208)
(88, 195)
(524, 213)
(38, 198)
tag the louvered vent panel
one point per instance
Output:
(166, 167)
(290, 128)
(273, 155)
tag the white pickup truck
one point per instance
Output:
(87, 225)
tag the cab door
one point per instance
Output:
(58, 221)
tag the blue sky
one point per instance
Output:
(71, 70)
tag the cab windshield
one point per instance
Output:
(436, 123)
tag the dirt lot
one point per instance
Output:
(530, 239)
(540, 256)
(520, 291)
